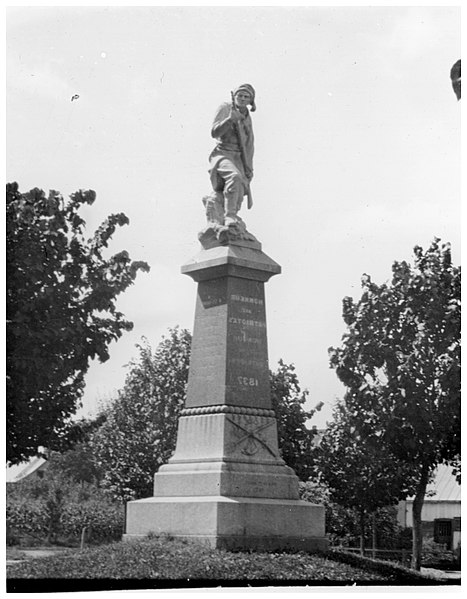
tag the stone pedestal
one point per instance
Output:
(226, 483)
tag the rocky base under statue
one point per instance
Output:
(220, 230)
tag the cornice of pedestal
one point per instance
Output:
(231, 260)
(227, 409)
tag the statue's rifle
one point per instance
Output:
(241, 143)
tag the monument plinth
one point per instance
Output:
(226, 483)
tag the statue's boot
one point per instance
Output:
(232, 203)
(230, 216)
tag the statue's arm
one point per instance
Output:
(222, 121)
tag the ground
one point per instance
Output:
(160, 560)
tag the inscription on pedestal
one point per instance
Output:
(247, 363)
(229, 360)
(206, 381)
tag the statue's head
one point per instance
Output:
(247, 89)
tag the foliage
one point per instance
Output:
(456, 78)
(54, 504)
(61, 311)
(389, 533)
(358, 472)
(343, 523)
(163, 558)
(140, 431)
(25, 517)
(35, 505)
(55, 507)
(435, 555)
(400, 362)
(78, 464)
(103, 520)
(400, 358)
(313, 492)
(80, 431)
(295, 439)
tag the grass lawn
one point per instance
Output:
(164, 562)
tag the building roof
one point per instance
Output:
(21, 471)
(444, 486)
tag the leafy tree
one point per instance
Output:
(140, 431)
(77, 464)
(61, 312)
(295, 438)
(359, 473)
(400, 362)
(80, 431)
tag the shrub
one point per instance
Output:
(104, 521)
(55, 509)
(25, 518)
(436, 555)
(343, 523)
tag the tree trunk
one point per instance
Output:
(362, 532)
(417, 537)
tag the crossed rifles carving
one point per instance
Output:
(251, 435)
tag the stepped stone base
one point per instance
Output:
(230, 479)
(233, 523)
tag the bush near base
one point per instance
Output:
(28, 523)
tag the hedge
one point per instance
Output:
(103, 521)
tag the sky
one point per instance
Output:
(357, 157)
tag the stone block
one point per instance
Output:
(239, 523)
(229, 453)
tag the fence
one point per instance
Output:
(392, 555)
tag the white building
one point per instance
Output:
(441, 512)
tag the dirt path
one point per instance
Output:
(16, 556)
(442, 574)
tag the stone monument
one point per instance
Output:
(226, 483)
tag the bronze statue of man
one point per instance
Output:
(231, 161)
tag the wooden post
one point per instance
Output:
(83, 537)
(373, 536)
(362, 532)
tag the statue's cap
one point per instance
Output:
(249, 89)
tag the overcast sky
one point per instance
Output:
(357, 150)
